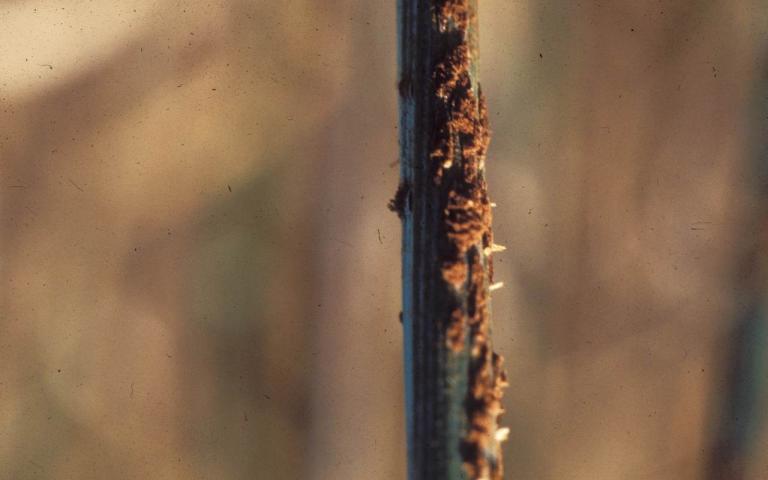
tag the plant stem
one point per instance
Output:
(453, 378)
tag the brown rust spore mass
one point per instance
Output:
(456, 11)
(457, 160)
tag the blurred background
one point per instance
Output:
(200, 278)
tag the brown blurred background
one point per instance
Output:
(200, 279)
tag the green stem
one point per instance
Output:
(453, 378)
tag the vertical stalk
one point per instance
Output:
(453, 378)
(740, 413)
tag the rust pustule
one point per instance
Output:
(457, 160)
(456, 11)
(481, 447)
(457, 332)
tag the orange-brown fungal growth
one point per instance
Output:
(457, 11)
(458, 162)
(481, 448)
